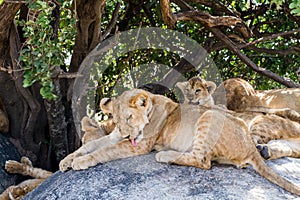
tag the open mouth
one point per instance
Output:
(133, 140)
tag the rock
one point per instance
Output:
(7, 152)
(142, 177)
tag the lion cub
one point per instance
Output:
(240, 96)
(197, 91)
(290, 146)
(24, 168)
(189, 135)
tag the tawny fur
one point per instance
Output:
(263, 128)
(185, 134)
(237, 94)
(24, 168)
(197, 91)
(94, 130)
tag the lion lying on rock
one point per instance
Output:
(198, 91)
(240, 96)
(189, 135)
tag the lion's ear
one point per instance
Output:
(141, 100)
(181, 85)
(106, 105)
(211, 87)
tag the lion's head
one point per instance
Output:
(237, 92)
(130, 113)
(197, 91)
(134, 109)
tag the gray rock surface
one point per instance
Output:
(142, 177)
(7, 152)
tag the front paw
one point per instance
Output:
(167, 156)
(83, 162)
(65, 164)
(17, 192)
(15, 167)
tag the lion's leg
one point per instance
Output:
(25, 168)
(90, 147)
(122, 149)
(5, 194)
(19, 191)
(280, 148)
(271, 127)
(206, 136)
(94, 130)
(282, 112)
(184, 158)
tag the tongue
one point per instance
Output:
(133, 142)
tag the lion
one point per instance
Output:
(24, 168)
(197, 91)
(276, 149)
(240, 96)
(183, 134)
(94, 130)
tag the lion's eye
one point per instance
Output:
(197, 91)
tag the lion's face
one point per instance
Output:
(130, 113)
(196, 90)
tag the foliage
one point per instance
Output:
(295, 6)
(46, 49)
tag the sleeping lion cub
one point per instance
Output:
(186, 135)
(277, 147)
(240, 96)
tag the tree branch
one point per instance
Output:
(112, 22)
(207, 19)
(167, 13)
(222, 37)
(98, 11)
(217, 5)
(270, 37)
(283, 52)
(34, 105)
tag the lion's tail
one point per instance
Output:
(264, 170)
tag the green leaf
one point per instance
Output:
(1, 2)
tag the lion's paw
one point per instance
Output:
(26, 161)
(17, 193)
(83, 162)
(264, 151)
(167, 156)
(65, 164)
(15, 167)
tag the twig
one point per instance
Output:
(8, 1)
(270, 37)
(69, 75)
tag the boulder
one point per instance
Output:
(7, 152)
(141, 177)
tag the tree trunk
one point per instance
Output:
(26, 113)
